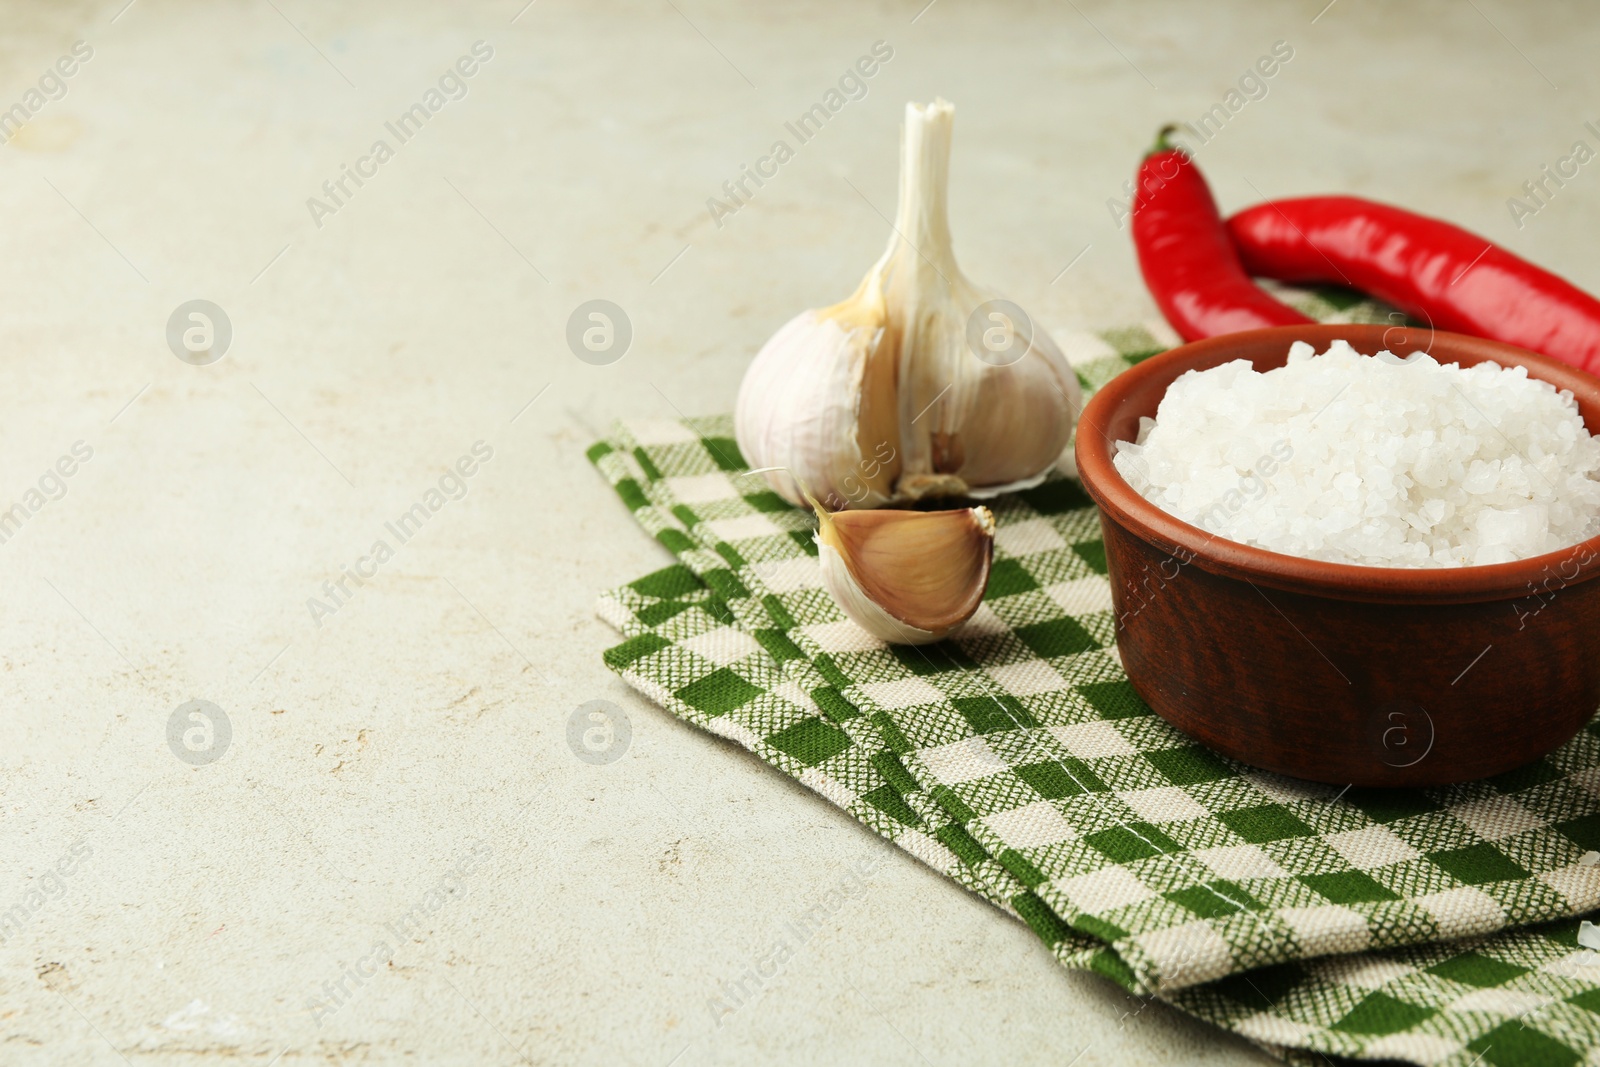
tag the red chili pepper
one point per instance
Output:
(1188, 262)
(1441, 274)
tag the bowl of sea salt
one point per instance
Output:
(1355, 554)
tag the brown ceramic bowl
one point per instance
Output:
(1374, 676)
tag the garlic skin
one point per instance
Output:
(906, 577)
(830, 364)
(880, 399)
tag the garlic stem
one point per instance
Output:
(923, 215)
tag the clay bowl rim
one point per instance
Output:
(1340, 581)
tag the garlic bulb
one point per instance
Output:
(907, 577)
(920, 384)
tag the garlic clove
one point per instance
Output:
(832, 365)
(1010, 434)
(881, 399)
(907, 577)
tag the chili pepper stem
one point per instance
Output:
(1163, 140)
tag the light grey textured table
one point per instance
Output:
(213, 910)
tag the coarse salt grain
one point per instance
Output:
(1372, 460)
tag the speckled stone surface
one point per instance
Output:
(397, 771)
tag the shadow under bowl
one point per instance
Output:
(1372, 676)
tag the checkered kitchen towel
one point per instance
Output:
(1017, 759)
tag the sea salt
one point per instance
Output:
(1372, 460)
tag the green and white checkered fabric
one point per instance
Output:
(1520, 997)
(1017, 759)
